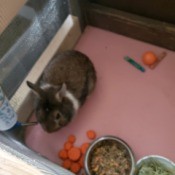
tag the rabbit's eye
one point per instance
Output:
(57, 117)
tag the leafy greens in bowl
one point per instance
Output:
(155, 165)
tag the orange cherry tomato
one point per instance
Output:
(149, 58)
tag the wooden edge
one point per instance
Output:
(134, 26)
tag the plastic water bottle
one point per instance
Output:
(8, 117)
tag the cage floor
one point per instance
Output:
(135, 106)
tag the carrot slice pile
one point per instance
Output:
(73, 156)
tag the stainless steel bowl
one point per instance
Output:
(168, 164)
(105, 139)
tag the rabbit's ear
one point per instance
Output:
(61, 93)
(36, 89)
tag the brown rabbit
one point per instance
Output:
(63, 88)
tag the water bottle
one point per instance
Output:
(8, 117)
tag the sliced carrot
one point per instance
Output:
(72, 138)
(74, 153)
(75, 167)
(73, 157)
(68, 146)
(81, 161)
(84, 147)
(63, 154)
(67, 163)
(91, 134)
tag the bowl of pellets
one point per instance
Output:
(109, 155)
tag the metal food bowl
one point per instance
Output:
(107, 140)
(167, 164)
